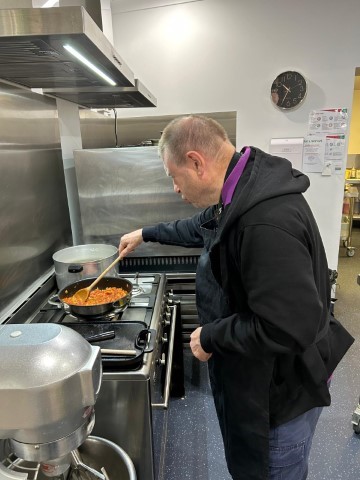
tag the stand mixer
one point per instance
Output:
(50, 377)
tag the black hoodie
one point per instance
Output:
(272, 356)
(270, 258)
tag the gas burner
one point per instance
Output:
(137, 290)
(142, 284)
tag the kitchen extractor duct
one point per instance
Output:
(61, 49)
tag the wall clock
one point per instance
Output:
(288, 90)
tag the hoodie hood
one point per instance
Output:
(265, 176)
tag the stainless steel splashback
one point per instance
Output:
(123, 189)
(34, 215)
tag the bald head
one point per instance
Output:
(193, 132)
(196, 152)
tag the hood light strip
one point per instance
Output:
(49, 3)
(90, 65)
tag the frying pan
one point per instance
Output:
(88, 310)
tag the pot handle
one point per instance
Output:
(75, 268)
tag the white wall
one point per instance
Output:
(223, 55)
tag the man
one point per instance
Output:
(263, 295)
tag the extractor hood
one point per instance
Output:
(107, 97)
(62, 51)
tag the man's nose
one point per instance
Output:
(176, 188)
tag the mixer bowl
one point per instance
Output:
(96, 452)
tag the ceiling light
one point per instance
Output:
(90, 65)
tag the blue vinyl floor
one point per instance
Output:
(194, 448)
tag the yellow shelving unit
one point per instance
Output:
(351, 192)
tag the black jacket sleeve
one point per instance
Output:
(184, 233)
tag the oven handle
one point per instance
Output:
(165, 405)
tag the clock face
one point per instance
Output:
(288, 90)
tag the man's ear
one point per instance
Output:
(196, 161)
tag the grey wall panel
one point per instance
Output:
(97, 130)
(34, 217)
(124, 189)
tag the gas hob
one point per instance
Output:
(145, 287)
(135, 329)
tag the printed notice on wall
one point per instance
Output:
(328, 121)
(330, 124)
(335, 152)
(314, 154)
(290, 148)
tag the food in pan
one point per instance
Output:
(97, 297)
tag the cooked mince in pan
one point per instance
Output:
(98, 297)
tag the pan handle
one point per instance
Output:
(101, 336)
(55, 300)
(145, 340)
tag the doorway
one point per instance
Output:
(350, 223)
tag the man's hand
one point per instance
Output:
(129, 242)
(196, 347)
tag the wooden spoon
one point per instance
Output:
(83, 294)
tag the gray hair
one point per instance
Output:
(192, 132)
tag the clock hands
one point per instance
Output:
(287, 91)
(286, 88)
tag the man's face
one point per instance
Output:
(186, 181)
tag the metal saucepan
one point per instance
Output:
(105, 282)
(83, 261)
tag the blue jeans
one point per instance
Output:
(290, 445)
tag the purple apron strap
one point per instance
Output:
(233, 178)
